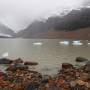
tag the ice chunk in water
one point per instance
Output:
(5, 54)
(64, 42)
(88, 43)
(77, 43)
(38, 43)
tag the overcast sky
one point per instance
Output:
(17, 14)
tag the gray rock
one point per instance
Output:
(81, 59)
(30, 63)
(19, 60)
(32, 86)
(16, 67)
(5, 61)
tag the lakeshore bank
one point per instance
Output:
(18, 76)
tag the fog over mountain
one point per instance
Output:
(18, 14)
(76, 24)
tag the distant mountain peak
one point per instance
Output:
(5, 30)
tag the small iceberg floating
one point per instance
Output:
(88, 43)
(77, 43)
(37, 43)
(64, 42)
(5, 54)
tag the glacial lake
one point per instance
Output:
(49, 53)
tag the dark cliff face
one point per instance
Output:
(74, 20)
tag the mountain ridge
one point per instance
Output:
(74, 20)
(6, 31)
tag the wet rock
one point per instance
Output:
(87, 66)
(5, 61)
(45, 79)
(67, 66)
(81, 59)
(30, 63)
(54, 88)
(19, 60)
(32, 86)
(16, 67)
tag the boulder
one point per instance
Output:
(30, 63)
(81, 59)
(5, 61)
(32, 86)
(67, 66)
(19, 60)
(45, 79)
(15, 67)
(87, 66)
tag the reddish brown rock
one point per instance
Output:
(16, 67)
(67, 66)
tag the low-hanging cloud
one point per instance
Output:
(17, 14)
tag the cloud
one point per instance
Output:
(17, 14)
(86, 2)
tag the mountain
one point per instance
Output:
(6, 32)
(76, 19)
(35, 27)
(75, 24)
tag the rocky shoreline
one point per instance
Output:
(18, 76)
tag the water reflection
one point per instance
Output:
(64, 42)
